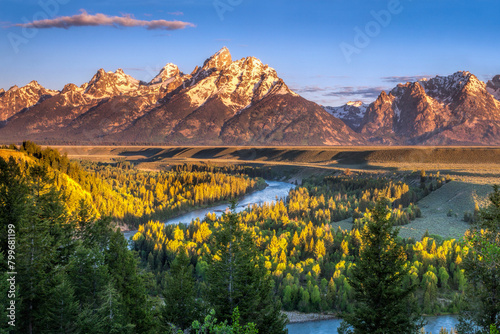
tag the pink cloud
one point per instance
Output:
(85, 20)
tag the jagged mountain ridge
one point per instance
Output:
(174, 108)
(458, 109)
(452, 110)
(17, 99)
(244, 102)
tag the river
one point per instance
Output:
(274, 190)
(434, 324)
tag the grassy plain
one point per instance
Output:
(474, 170)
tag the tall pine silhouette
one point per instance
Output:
(383, 302)
(237, 278)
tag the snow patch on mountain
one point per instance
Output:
(444, 88)
(237, 84)
(218, 61)
(167, 73)
(106, 84)
(351, 113)
(19, 98)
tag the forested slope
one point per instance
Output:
(128, 195)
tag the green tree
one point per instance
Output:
(36, 250)
(181, 307)
(13, 197)
(482, 270)
(88, 275)
(129, 283)
(61, 313)
(210, 325)
(75, 274)
(237, 277)
(287, 298)
(383, 302)
(316, 298)
(112, 313)
(443, 277)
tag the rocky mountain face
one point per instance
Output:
(455, 110)
(221, 102)
(18, 99)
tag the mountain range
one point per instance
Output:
(244, 102)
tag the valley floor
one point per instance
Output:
(474, 170)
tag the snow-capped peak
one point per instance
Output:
(70, 88)
(125, 79)
(443, 88)
(219, 60)
(34, 84)
(167, 72)
(104, 84)
(33, 88)
(238, 83)
(223, 50)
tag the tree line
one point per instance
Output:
(132, 196)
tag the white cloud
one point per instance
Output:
(88, 20)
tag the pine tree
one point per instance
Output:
(383, 303)
(112, 314)
(74, 274)
(36, 251)
(122, 266)
(181, 307)
(482, 270)
(88, 275)
(237, 278)
(62, 308)
(13, 197)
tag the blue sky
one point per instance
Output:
(330, 51)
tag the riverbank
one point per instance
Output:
(269, 193)
(298, 317)
(260, 186)
(434, 325)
